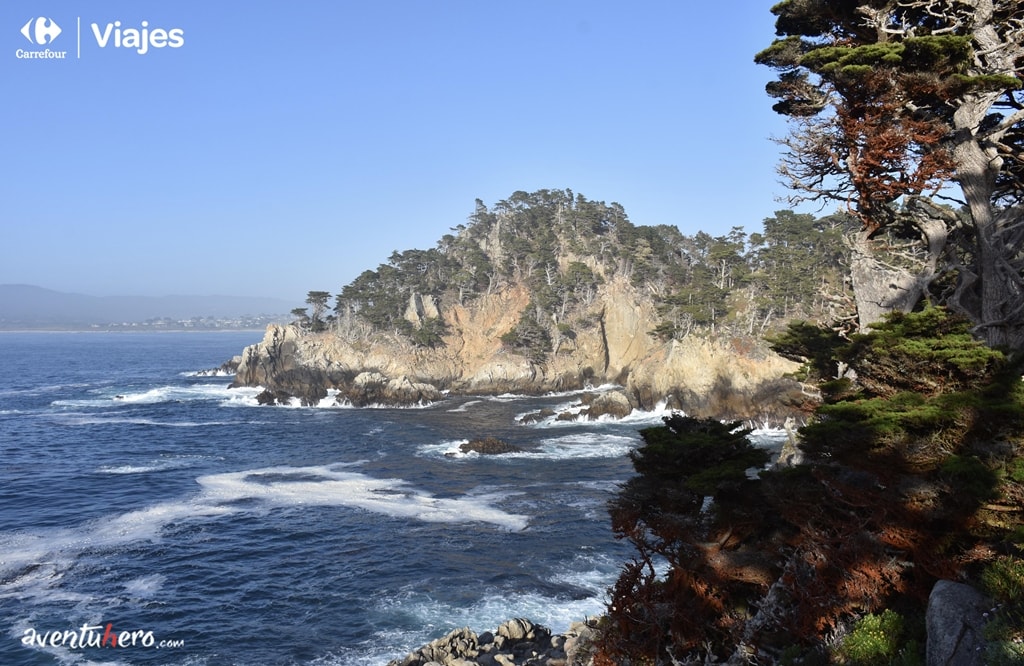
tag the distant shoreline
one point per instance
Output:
(132, 330)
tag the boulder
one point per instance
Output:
(518, 629)
(955, 620)
(613, 403)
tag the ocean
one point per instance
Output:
(150, 514)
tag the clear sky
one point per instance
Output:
(285, 147)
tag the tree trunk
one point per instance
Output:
(880, 288)
(990, 293)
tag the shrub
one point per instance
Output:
(875, 640)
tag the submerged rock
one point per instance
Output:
(488, 446)
(537, 417)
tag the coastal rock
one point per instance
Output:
(516, 642)
(521, 629)
(373, 388)
(488, 446)
(615, 404)
(226, 369)
(537, 417)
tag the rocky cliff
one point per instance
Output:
(545, 292)
(350, 364)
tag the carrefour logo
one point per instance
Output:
(141, 38)
(41, 31)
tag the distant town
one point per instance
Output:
(258, 322)
(33, 308)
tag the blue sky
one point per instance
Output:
(286, 147)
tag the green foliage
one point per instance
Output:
(301, 317)
(829, 59)
(563, 248)
(798, 266)
(879, 640)
(984, 83)
(925, 53)
(924, 387)
(702, 454)
(1002, 652)
(889, 98)
(970, 476)
(430, 333)
(930, 351)
(318, 301)
(814, 346)
(1003, 580)
(529, 337)
(1016, 470)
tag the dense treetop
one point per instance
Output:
(897, 105)
(563, 247)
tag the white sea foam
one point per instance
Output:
(584, 445)
(636, 417)
(446, 449)
(144, 587)
(176, 394)
(568, 447)
(330, 486)
(464, 407)
(155, 465)
(32, 563)
(41, 390)
(330, 401)
(212, 372)
(768, 437)
(243, 396)
(129, 469)
(156, 395)
(80, 419)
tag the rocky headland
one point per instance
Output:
(546, 292)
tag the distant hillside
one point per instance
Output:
(27, 307)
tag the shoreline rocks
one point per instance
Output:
(701, 377)
(517, 642)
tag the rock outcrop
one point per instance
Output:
(488, 446)
(609, 344)
(517, 642)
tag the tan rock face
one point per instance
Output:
(607, 343)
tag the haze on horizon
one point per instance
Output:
(281, 149)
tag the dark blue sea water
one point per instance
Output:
(141, 500)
